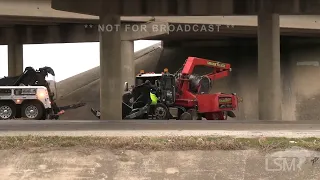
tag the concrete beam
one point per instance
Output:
(110, 71)
(42, 11)
(71, 33)
(193, 7)
(223, 7)
(92, 7)
(269, 78)
(304, 26)
(197, 8)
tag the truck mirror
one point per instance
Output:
(126, 86)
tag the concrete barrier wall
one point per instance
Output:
(305, 88)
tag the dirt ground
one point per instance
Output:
(135, 158)
(101, 164)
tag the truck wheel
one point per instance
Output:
(194, 114)
(32, 110)
(223, 115)
(7, 110)
(161, 112)
(185, 116)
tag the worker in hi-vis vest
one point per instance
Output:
(154, 99)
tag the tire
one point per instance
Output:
(185, 116)
(194, 114)
(7, 110)
(32, 110)
(161, 112)
(231, 114)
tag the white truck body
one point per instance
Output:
(20, 93)
(31, 102)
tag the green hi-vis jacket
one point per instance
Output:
(154, 99)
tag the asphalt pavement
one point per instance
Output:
(101, 125)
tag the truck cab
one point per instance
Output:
(165, 83)
(165, 95)
(152, 77)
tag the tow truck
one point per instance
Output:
(29, 96)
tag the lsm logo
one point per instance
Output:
(291, 159)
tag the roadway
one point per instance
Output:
(71, 125)
(161, 128)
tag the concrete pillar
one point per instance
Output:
(270, 94)
(15, 59)
(15, 53)
(110, 70)
(127, 60)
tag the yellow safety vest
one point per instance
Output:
(154, 99)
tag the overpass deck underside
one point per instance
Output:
(29, 9)
(39, 23)
(72, 33)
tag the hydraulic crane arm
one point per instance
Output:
(220, 70)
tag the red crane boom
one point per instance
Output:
(220, 70)
(213, 105)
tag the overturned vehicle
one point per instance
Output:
(30, 96)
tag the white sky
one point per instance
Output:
(66, 59)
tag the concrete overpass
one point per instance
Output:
(36, 22)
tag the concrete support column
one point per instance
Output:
(110, 70)
(127, 60)
(270, 94)
(15, 53)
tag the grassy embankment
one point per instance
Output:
(158, 143)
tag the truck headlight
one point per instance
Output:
(41, 93)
